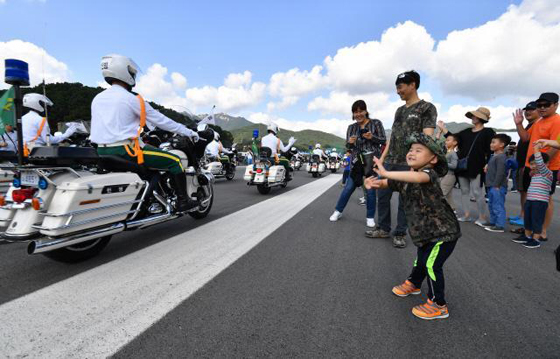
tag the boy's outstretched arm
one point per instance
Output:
(403, 176)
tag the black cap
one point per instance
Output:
(550, 97)
(530, 106)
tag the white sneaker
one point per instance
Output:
(335, 216)
(370, 222)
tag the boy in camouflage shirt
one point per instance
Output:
(432, 225)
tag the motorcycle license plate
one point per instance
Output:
(29, 178)
(259, 177)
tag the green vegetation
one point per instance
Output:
(305, 138)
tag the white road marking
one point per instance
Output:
(97, 312)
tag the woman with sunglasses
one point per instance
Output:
(364, 138)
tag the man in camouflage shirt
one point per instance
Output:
(433, 226)
(415, 116)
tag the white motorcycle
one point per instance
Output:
(333, 165)
(7, 160)
(221, 169)
(315, 166)
(67, 202)
(264, 174)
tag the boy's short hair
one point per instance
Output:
(545, 157)
(503, 138)
(408, 77)
(456, 138)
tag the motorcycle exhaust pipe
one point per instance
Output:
(144, 222)
(51, 244)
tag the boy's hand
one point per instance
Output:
(538, 146)
(373, 183)
(378, 168)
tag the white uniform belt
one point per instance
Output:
(117, 144)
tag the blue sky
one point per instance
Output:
(207, 41)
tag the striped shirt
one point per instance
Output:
(541, 181)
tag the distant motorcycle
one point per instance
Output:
(223, 168)
(264, 173)
(315, 166)
(333, 165)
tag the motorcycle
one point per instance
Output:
(67, 202)
(315, 166)
(7, 160)
(223, 168)
(333, 165)
(264, 174)
(295, 164)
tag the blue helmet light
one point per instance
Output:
(43, 184)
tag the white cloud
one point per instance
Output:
(283, 104)
(155, 86)
(293, 84)
(38, 59)
(514, 55)
(236, 94)
(373, 66)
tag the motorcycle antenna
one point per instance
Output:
(44, 84)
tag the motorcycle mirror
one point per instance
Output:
(202, 127)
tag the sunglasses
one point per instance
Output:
(544, 105)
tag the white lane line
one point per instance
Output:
(95, 313)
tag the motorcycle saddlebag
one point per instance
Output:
(276, 174)
(91, 201)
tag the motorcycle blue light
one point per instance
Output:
(16, 72)
(17, 183)
(255, 133)
(43, 184)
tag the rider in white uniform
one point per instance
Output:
(318, 151)
(275, 144)
(35, 127)
(115, 122)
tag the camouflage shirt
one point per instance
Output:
(430, 218)
(409, 120)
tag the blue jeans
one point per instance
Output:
(496, 206)
(384, 215)
(347, 191)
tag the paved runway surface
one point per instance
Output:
(271, 276)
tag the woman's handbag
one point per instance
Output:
(462, 163)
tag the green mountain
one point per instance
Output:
(228, 122)
(455, 127)
(243, 136)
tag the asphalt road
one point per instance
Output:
(313, 288)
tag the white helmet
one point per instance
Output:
(36, 101)
(272, 127)
(118, 67)
(216, 136)
(318, 146)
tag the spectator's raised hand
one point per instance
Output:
(378, 168)
(441, 126)
(518, 116)
(373, 183)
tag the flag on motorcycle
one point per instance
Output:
(255, 147)
(209, 120)
(7, 109)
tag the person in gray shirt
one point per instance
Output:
(496, 181)
(449, 180)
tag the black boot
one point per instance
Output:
(184, 203)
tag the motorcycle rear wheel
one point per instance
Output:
(315, 174)
(263, 189)
(230, 175)
(79, 252)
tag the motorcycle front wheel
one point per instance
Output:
(79, 252)
(202, 212)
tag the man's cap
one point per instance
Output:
(550, 97)
(481, 113)
(530, 106)
(437, 149)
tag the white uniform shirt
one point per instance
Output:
(115, 117)
(213, 148)
(319, 152)
(10, 139)
(31, 123)
(273, 142)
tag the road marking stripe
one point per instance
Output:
(97, 312)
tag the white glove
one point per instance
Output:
(70, 130)
(195, 137)
(292, 140)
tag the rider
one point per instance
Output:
(214, 148)
(319, 152)
(116, 117)
(35, 125)
(275, 144)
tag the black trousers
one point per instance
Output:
(429, 265)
